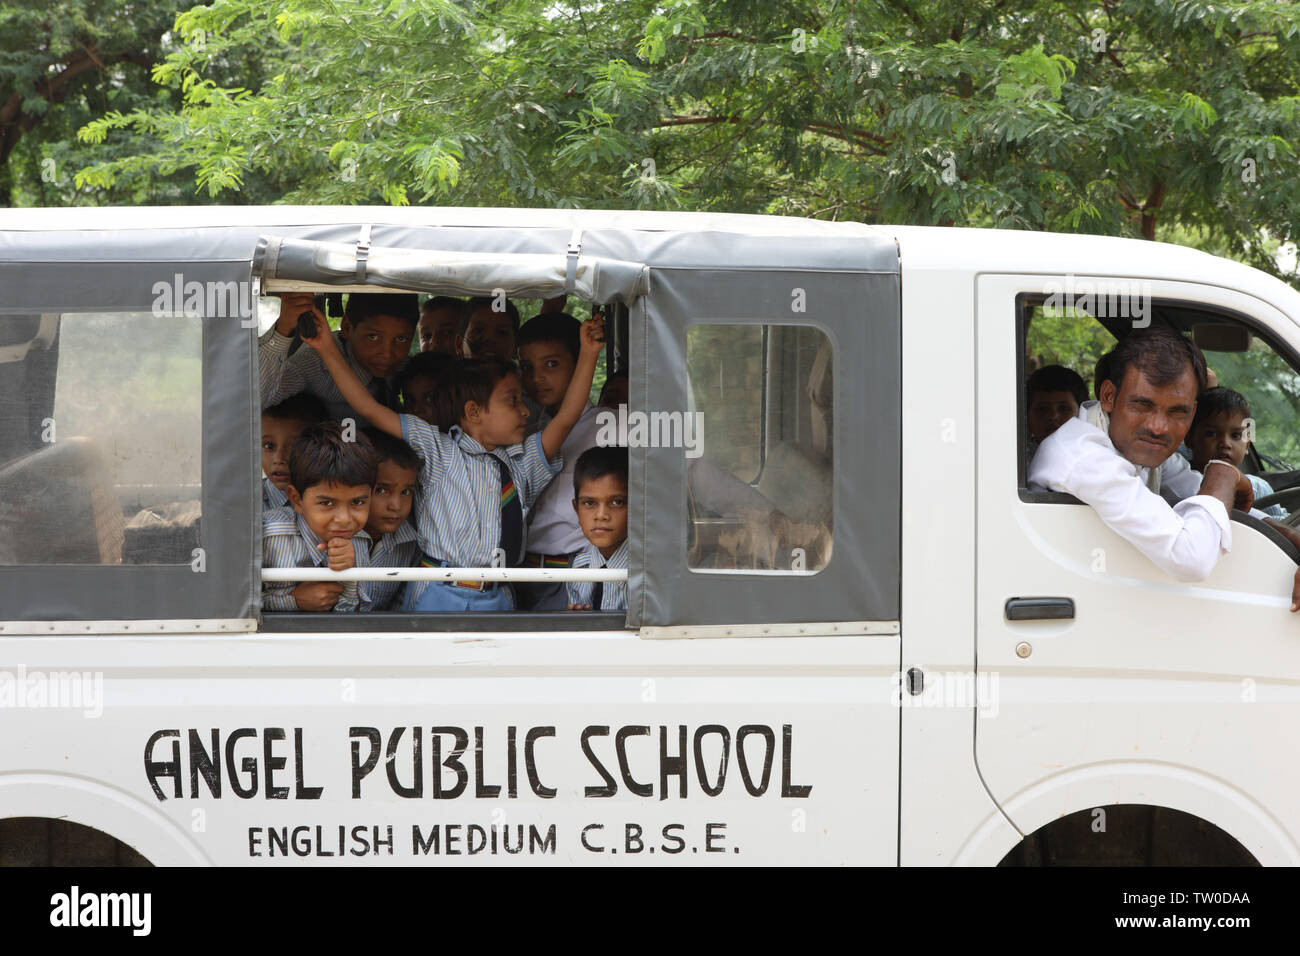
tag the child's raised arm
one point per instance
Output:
(570, 410)
(356, 394)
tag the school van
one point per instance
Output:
(853, 634)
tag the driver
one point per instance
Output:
(1111, 458)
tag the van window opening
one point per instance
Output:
(1241, 355)
(759, 487)
(109, 472)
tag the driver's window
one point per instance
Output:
(1252, 410)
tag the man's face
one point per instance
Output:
(277, 436)
(1222, 435)
(1148, 422)
(504, 419)
(391, 502)
(332, 510)
(490, 335)
(439, 331)
(1048, 411)
(380, 343)
(602, 512)
(547, 368)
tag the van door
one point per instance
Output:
(1122, 685)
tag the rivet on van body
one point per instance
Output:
(1023, 649)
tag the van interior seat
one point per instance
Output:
(58, 506)
(798, 481)
(164, 534)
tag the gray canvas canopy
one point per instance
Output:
(673, 271)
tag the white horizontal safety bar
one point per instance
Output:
(445, 574)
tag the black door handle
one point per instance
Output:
(1040, 609)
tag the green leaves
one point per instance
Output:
(1034, 75)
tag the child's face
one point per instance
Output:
(391, 502)
(490, 335)
(380, 343)
(1048, 411)
(503, 421)
(418, 397)
(439, 331)
(1222, 435)
(332, 510)
(546, 368)
(277, 437)
(602, 512)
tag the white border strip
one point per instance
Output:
(198, 626)
(822, 629)
(445, 574)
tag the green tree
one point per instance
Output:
(1123, 116)
(64, 63)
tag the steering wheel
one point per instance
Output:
(1289, 549)
(1288, 498)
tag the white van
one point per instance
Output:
(852, 635)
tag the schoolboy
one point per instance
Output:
(489, 332)
(1053, 395)
(548, 356)
(1219, 431)
(478, 480)
(600, 501)
(442, 318)
(281, 424)
(393, 541)
(330, 482)
(375, 338)
(424, 386)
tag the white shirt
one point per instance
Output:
(613, 593)
(553, 525)
(1184, 540)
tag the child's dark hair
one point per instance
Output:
(558, 327)
(612, 377)
(366, 305)
(475, 380)
(320, 455)
(303, 407)
(486, 302)
(1217, 400)
(435, 365)
(390, 448)
(1162, 356)
(598, 462)
(1056, 378)
(446, 302)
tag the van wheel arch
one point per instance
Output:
(1129, 834)
(47, 841)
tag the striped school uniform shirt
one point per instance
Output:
(273, 497)
(397, 549)
(614, 593)
(281, 375)
(458, 514)
(287, 542)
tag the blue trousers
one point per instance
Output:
(440, 597)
